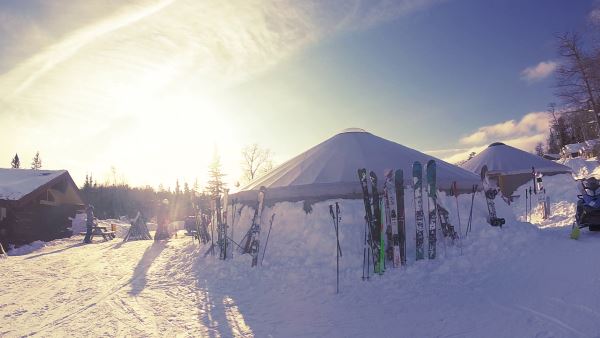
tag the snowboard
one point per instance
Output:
(541, 193)
(490, 191)
(432, 208)
(401, 219)
(419, 215)
(389, 189)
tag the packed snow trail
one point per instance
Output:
(514, 281)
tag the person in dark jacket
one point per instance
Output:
(89, 224)
(162, 221)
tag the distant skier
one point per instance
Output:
(162, 221)
(89, 224)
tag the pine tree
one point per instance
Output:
(196, 186)
(215, 184)
(36, 164)
(539, 149)
(16, 163)
(552, 144)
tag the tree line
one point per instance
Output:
(36, 163)
(577, 86)
(115, 198)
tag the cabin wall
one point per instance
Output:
(36, 221)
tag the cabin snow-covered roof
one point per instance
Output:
(17, 183)
(506, 160)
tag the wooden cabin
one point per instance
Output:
(36, 205)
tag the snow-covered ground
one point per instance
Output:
(521, 280)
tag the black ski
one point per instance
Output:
(419, 214)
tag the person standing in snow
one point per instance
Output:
(162, 221)
(89, 224)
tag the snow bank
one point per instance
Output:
(582, 168)
(515, 274)
(562, 192)
(301, 241)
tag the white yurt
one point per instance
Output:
(512, 167)
(329, 169)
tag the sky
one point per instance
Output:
(155, 88)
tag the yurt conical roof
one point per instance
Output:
(502, 159)
(329, 169)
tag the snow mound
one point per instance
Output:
(581, 167)
(562, 192)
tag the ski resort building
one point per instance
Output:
(512, 167)
(36, 204)
(329, 169)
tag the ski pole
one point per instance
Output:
(267, 241)
(233, 211)
(471, 211)
(458, 215)
(338, 218)
(333, 216)
(339, 251)
(526, 214)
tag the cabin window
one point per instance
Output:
(2, 213)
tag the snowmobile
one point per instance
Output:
(588, 207)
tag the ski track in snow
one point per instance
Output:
(518, 281)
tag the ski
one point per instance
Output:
(419, 215)
(401, 219)
(377, 225)
(253, 241)
(382, 247)
(490, 191)
(389, 189)
(447, 227)
(432, 206)
(221, 213)
(367, 245)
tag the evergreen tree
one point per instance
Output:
(16, 163)
(552, 144)
(539, 149)
(215, 184)
(36, 164)
(87, 184)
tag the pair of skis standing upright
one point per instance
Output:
(391, 210)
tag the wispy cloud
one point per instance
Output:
(147, 61)
(539, 72)
(524, 134)
(594, 16)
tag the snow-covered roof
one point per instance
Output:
(17, 183)
(572, 148)
(329, 169)
(506, 160)
(589, 145)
